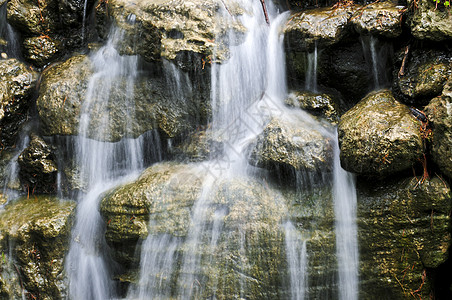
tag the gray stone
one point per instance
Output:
(152, 104)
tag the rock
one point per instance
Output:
(404, 229)
(426, 72)
(46, 16)
(63, 94)
(38, 167)
(380, 18)
(199, 146)
(295, 142)
(41, 50)
(165, 194)
(322, 27)
(322, 105)
(345, 68)
(439, 113)
(170, 29)
(379, 136)
(429, 23)
(17, 83)
(62, 90)
(38, 230)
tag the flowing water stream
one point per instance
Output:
(247, 91)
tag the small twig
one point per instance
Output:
(264, 8)
(402, 67)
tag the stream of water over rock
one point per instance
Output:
(247, 92)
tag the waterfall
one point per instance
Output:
(102, 165)
(344, 195)
(297, 258)
(311, 71)
(377, 54)
(9, 36)
(246, 89)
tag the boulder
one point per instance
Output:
(41, 50)
(170, 29)
(322, 105)
(148, 101)
(379, 136)
(17, 83)
(429, 23)
(379, 18)
(425, 73)
(38, 231)
(439, 113)
(50, 28)
(168, 198)
(38, 167)
(404, 234)
(345, 68)
(321, 27)
(295, 142)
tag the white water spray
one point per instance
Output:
(344, 195)
(87, 268)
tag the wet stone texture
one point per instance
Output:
(36, 231)
(17, 83)
(379, 136)
(404, 234)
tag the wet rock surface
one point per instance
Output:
(427, 22)
(439, 112)
(37, 230)
(63, 93)
(290, 142)
(404, 232)
(424, 75)
(381, 18)
(379, 136)
(171, 29)
(17, 83)
(322, 26)
(38, 167)
(323, 105)
(164, 196)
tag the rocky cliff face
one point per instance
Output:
(375, 65)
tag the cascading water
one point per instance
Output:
(311, 72)
(247, 91)
(102, 165)
(344, 196)
(9, 36)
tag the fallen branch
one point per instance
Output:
(264, 8)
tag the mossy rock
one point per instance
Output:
(439, 113)
(428, 22)
(38, 230)
(404, 229)
(379, 136)
(17, 83)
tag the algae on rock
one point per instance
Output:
(404, 229)
(379, 136)
(38, 231)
